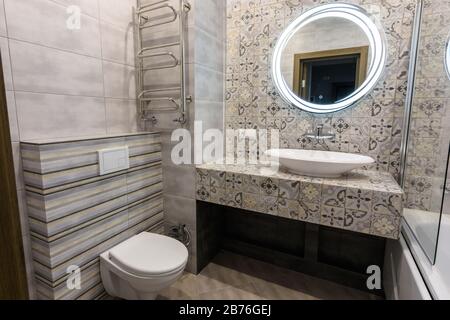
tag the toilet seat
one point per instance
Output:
(149, 255)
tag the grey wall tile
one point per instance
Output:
(89, 7)
(51, 116)
(3, 30)
(210, 17)
(45, 22)
(120, 80)
(211, 113)
(7, 73)
(121, 115)
(180, 210)
(209, 51)
(167, 147)
(117, 12)
(54, 71)
(208, 84)
(118, 44)
(179, 181)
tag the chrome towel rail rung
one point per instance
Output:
(159, 110)
(175, 61)
(169, 99)
(151, 8)
(158, 68)
(151, 4)
(162, 90)
(160, 46)
(144, 20)
(145, 92)
(158, 54)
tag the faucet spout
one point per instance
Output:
(319, 136)
(319, 130)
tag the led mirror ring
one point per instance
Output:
(447, 57)
(377, 61)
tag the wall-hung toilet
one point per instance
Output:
(141, 267)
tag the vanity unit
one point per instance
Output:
(334, 228)
(368, 202)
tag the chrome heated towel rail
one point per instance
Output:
(150, 98)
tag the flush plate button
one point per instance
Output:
(113, 160)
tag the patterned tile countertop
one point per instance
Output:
(369, 202)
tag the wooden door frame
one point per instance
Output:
(361, 66)
(13, 275)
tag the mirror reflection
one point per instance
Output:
(326, 60)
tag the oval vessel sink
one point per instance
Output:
(322, 164)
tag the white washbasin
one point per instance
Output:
(323, 164)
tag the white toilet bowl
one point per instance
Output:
(143, 266)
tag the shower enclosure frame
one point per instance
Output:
(414, 55)
(410, 90)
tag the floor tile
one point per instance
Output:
(233, 277)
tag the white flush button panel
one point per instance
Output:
(113, 160)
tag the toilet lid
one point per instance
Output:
(149, 254)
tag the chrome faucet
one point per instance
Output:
(319, 136)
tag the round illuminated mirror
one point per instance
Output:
(329, 58)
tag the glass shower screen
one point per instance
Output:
(427, 152)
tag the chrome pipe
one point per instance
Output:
(185, 7)
(139, 64)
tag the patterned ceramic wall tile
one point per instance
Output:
(332, 216)
(430, 116)
(253, 28)
(70, 203)
(310, 212)
(357, 220)
(367, 202)
(289, 189)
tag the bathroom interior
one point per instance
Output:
(225, 150)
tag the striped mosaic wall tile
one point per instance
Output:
(75, 214)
